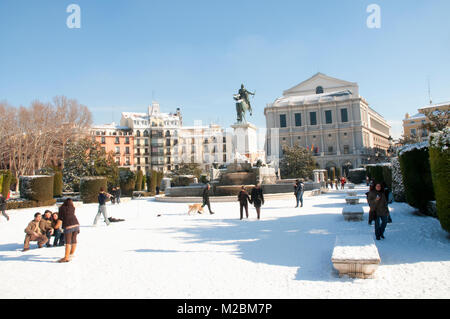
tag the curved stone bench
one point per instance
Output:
(352, 193)
(355, 256)
(353, 213)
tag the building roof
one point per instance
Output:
(313, 98)
(435, 105)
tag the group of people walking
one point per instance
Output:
(336, 182)
(256, 198)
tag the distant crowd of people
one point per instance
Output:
(330, 183)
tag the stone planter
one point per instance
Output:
(355, 256)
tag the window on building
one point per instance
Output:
(117, 150)
(328, 117)
(138, 133)
(298, 119)
(103, 140)
(346, 149)
(312, 118)
(117, 141)
(344, 115)
(413, 132)
(127, 140)
(127, 150)
(319, 90)
(282, 120)
(330, 149)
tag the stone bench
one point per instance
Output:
(351, 186)
(352, 193)
(353, 213)
(352, 200)
(355, 256)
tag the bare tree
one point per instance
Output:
(32, 138)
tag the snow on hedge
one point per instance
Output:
(441, 140)
(412, 147)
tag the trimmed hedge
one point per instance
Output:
(127, 181)
(90, 188)
(440, 173)
(57, 184)
(6, 179)
(14, 204)
(357, 176)
(139, 177)
(380, 173)
(416, 174)
(38, 188)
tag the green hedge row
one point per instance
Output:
(37, 188)
(6, 178)
(90, 188)
(416, 173)
(139, 178)
(12, 204)
(127, 181)
(57, 184)
(380, 173)
(440, 173)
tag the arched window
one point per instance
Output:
(319, 90)
(138, 133)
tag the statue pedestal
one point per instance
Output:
(245, 143)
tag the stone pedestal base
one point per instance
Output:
(355, 256)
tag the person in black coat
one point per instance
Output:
(298, 192)
(243, 199)
(206, 198)
(257, 198)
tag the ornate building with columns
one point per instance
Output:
(329, 117)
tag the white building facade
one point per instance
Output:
(329, 117)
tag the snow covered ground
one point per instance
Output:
(287, 254)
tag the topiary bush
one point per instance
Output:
(416, 174)
(127, 181)
(139, 177)
(90, 188)
(440, 173)
(6, 179)
(37, 188)
(357, 175)
(57, 184)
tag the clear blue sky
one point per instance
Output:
(195, 54)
